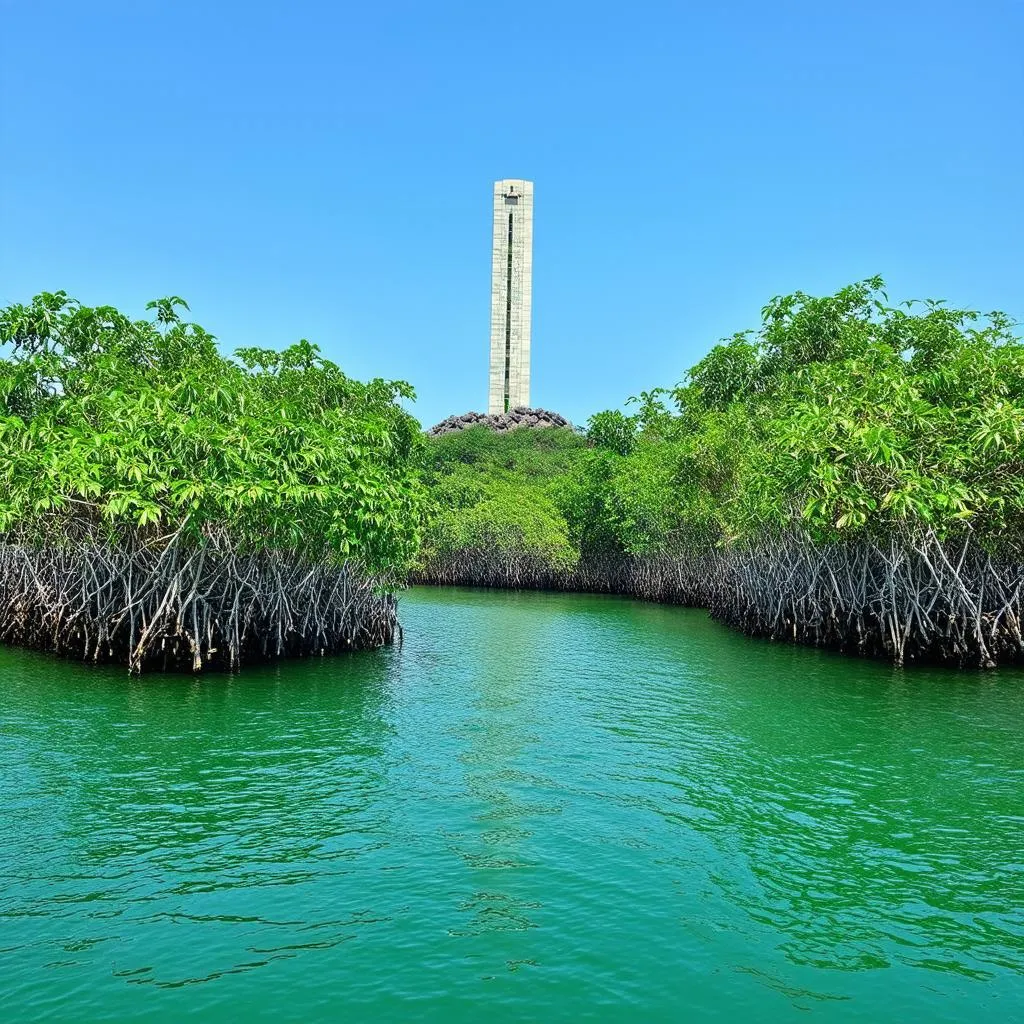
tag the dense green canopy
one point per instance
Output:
(113, 424)
(491, 492)
(851, 473)
(841, 417)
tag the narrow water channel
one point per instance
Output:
(550, 807)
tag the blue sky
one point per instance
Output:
(324, 170)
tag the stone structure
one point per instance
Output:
(500, 421)
(511, 284)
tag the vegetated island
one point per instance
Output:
(850, 475)
(162, 506)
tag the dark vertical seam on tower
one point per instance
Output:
(508, 312)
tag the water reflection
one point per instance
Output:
(167, 803)
(574, 805)
(843, 801)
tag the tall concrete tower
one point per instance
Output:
(511, 284)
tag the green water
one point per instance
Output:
(547, 807)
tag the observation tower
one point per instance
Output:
(511, 286)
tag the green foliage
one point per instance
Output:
(613, 430)
(728, 373)
(842, 417)
(582, 495)
(120, 424)
(532, 454)
(918, 428)
(505, 514)
(489, 491)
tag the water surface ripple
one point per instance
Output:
(549, 807)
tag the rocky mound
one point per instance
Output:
(501, 421)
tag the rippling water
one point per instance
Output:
(546, 807)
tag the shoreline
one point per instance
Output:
(892, 605)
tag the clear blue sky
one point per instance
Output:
(324, 170)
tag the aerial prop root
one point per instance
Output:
(183, 604)
(905, 599)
